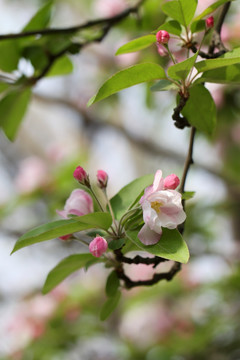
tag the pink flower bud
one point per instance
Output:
(162, 37)
(98, 246)
(81, 176)
(102, 178)
(209, 22)
(171, 182)
(65, 237)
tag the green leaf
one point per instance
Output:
(210, 9)
(109, 306)
(180, 10)
(181, 70)
(116, 244)
(198, 26)
(171, 245)
(63, 66)
(58, 228)
(41, 19)
(200, 109)
(230, 58)
(137, 44)
(224, 75)
(128, 77)
(164, 85)
(172, 26)
(128, 194)
(66, 267)
(12, 108)
(112, 284)
(9, 55)
(187, 195)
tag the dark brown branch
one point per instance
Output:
(168, 276)
(155, 261)
(180, 121)
(109, 22)
(189, 160)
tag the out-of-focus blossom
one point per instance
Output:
(209, 22)
(33, 174)
(98, 246)
(161, 208)
(108, 8)
(79, 203)
(162, 50)
(217, 92)
(102, 178)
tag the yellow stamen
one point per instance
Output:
(155, 205)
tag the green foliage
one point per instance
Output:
(41, 18)
(9, 55)
(116, 244)
(198, 26)
(128, 77)
(64, 227)
(12, 108)
(211, 8)
(172, 26)
(171, 245)
(62, 66)
(127, 196)
(65, 268)
(187, 195)
(224, 75)
(112, 284)
(137, 44)
(181, 70)
(180, 10)
(230, 58)
(164, 85)
(109, 306)
(204, 118)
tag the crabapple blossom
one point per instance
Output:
(209, 22)
(79, 203)
(98, 246)
(81, 176)
(171, 182)
(162, 37)
(161, 208)
(102, 178)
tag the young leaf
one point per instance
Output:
(230, 58)
(109, 306)
(12, 108)
(128, 194)
(9, 55)
(116, 244)
(181, 70)
(171, 245)
(137, 44)
(112, 284)
(210, 9)
(63, 227)
(200, 109)
(41, 19)
(128, 77)
(63, 66)
(180, 10)
(187, 195)
(172, 26)
(224, 75)
(198, 26)
(164, 85)
(66, 267)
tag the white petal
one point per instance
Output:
(148, 236)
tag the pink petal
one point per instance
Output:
(158, 181)
(148, 236)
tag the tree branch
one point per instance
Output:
(109, 22)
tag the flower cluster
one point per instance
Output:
(162, 207)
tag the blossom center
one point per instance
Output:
(155, 205)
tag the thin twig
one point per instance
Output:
(189, 160)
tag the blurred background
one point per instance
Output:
(196, 315)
